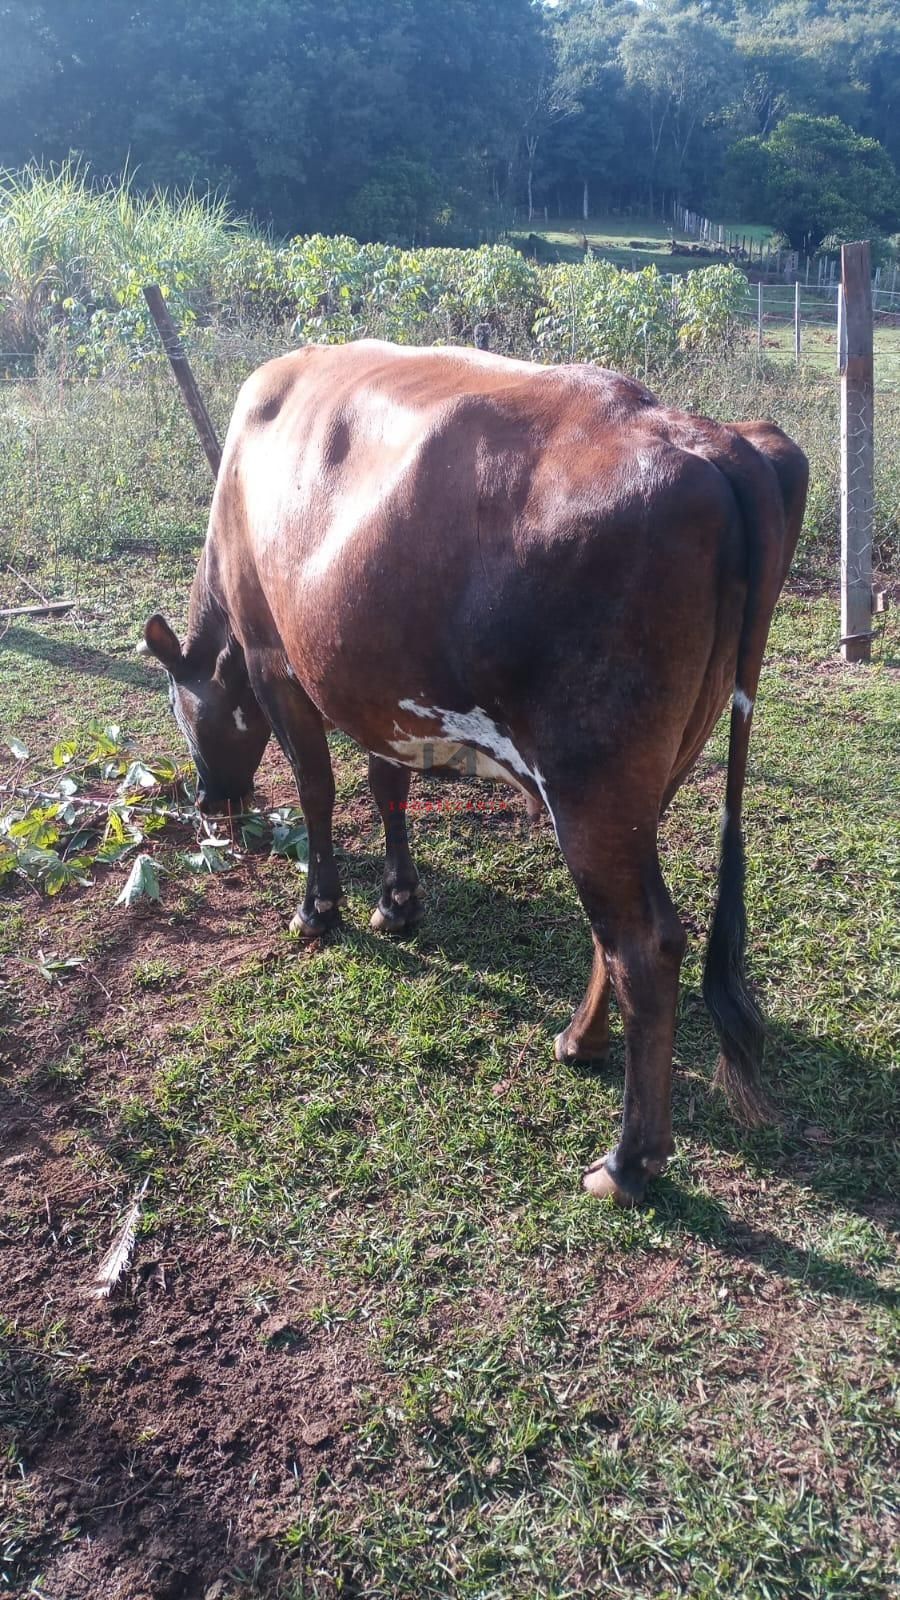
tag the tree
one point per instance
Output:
(683, 65)
(291, 105)
(814, 178)
(585, 149)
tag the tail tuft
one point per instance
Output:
(735, 1013)
(746, 1096)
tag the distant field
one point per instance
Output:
(616, 239)
(611, 238)
(818, 329)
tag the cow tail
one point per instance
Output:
(737, 1016)
(738, 1019)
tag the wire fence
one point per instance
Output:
(799, 323)
(791, 322)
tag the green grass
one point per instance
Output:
(630, 243)
(689, 1401)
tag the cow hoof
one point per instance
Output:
(569, 1055)
(599, 1182)
(405, 910)
(312, 924)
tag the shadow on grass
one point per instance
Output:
(838, 1134)
(680, 1212)
(70, 657)
(122, 1503)
(838, 1106)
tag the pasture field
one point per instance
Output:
(374, 1341)
(627, 242)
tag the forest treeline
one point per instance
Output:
(431, 120)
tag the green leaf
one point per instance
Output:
(63, 751)
(143, 882)
(138, 776)
(289, 835)
(54, 967)
(213, 855)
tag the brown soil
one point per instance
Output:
(170, 1433)
(193, 1422)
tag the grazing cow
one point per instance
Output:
(439, 548)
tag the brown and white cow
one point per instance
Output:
(427, 546)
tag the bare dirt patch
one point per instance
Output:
(194, 1419)
(171, 1435)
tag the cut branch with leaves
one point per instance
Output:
(54, 831)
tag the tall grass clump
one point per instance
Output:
(73, 249)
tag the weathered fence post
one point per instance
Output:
(855, 355)
(797, 320)
(759, 314)
(181, 367)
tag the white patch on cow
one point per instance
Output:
(495, 755)
(742, 701)
(538, 777)
(426, 754)
(473, 727)
(240, 721)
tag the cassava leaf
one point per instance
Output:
(213, 855)
(138, 776)
(143, 882)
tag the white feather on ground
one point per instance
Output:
(119, 1254)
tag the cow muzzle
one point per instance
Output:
(214, 802)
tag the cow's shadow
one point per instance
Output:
(81, 657)
(837, 1132)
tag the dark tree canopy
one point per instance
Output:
(432, 118)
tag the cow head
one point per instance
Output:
(216, 710)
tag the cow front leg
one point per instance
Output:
(300, 731)
(401, 905)
(642, 943)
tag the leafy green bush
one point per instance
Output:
(594, 312)
(74, 257)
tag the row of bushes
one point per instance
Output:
(74, 257)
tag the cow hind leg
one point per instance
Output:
(587, 1036)
(300, 731)
(401, 905)
(641, 942)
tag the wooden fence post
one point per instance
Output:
(187, 383)
(797, 319)
(759, 314)
(857, 450)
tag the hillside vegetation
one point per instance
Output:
(434, 120)
(74, 255)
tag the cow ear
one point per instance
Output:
(229, 668)
(163, 644)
